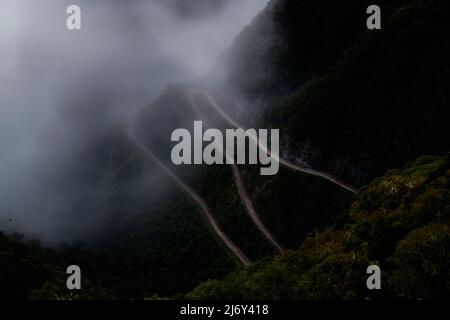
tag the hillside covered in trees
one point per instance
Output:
(369, 107)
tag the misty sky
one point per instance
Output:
(59, 88)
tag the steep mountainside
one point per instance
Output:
(349, 95)
(350, 102)
(383, 104)
(292, 41)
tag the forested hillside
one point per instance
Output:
(371, 108)
(349, 93)
(384, 103)
(399, 222)
(376, 100)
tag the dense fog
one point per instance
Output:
(59, 89)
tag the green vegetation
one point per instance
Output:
(25, 266)
(293, 204)
(384, 103)
(349, 102)
(166, 253)
(292, 41)
(400, 222)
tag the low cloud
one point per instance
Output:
(60, 89)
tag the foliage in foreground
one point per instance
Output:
(399, 222)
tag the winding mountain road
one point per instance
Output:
(283, 162)
(242, 191)
(246, 201)
(198, 199)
